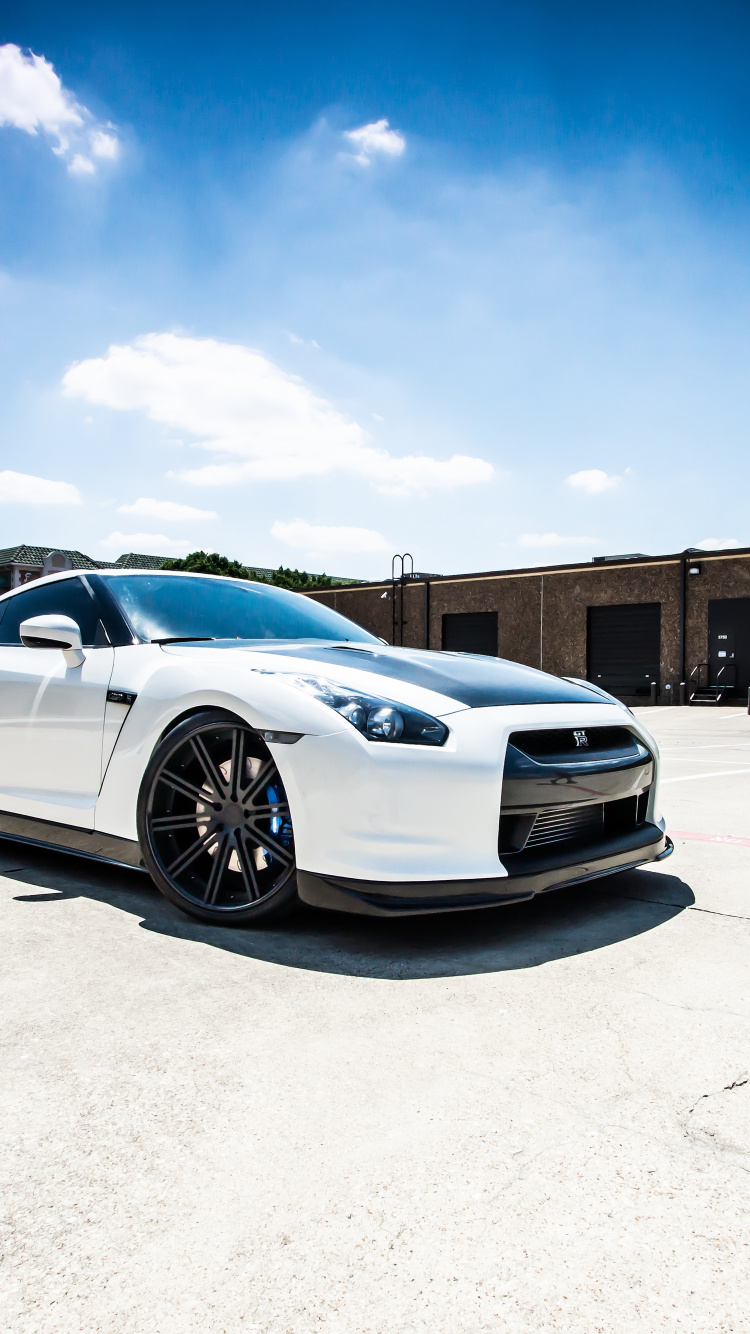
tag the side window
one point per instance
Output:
(68, 598)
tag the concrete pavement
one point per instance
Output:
(536, 1118)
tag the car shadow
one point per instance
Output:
(554, 926)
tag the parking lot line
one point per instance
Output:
(711, 838)
(723, 773)
(688, 758)
(690, 750)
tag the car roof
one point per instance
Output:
(174, 574)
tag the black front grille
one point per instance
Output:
(564, 745)
(558, 824)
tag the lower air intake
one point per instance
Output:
(561, 823)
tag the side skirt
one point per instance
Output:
(89, 843)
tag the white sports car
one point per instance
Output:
(248, 746)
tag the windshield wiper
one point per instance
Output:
(184, 639)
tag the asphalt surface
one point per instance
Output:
(535, 1118)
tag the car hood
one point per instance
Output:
(474, 680)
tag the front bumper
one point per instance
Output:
(374, 898)
(399, 813)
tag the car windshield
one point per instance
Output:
(164, 606)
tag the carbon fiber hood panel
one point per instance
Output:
(470, 679)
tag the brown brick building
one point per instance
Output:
(635, 624)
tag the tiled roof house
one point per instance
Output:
(20, 564)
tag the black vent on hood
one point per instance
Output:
(472, 679)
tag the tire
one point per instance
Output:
(214, 823)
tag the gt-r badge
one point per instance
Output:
(580, 738)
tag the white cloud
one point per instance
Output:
(717, 543)
(303, 342)
(104, 145)
(263, 423)
(20, 488)
(593, 481)
(32, 98)
(553, 540)
(147, 544)
(377, 137)
(165, 509)
(316, 537)
(81, 166)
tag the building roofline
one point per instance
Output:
(32, 556)
(530, 571)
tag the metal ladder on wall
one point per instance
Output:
(397, 604)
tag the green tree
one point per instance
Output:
(299, 580)
(201, 562)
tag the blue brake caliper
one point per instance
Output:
(280, 825)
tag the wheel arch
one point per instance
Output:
(116, 808)
(269, 886)
(193, 712)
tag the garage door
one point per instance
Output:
(624, 647)
(471, 632)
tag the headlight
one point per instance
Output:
(377, 719)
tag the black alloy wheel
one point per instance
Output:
(214, 823)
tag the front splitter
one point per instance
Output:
(374, 898)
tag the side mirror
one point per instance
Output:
(54, 632)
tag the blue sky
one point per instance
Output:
(312, 284)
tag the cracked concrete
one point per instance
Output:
(735, 1084)
(722, 1124)
(536, 1119)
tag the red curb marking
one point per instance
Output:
(711, 838)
